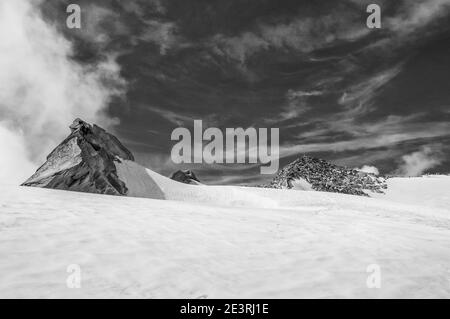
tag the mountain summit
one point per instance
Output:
(94, 161)
(317, 174)
(84, 161)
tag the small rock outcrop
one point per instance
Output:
(84, 162)
(327, 177)
(185, 176)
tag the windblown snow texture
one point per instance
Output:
(283, 244)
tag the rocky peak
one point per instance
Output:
(79, 124)
(84, 161)
(99, 139)
(185, 176)
(324, 176)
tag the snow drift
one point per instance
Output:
(309, 244)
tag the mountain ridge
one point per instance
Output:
(321, 175)
(94, 161)
(84, 161)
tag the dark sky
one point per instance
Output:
(335, 88)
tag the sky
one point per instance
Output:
(355, 96)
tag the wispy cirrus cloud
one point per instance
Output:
(376, 135)
(300, 34)
(358, 98)
(141, 7)
(292, 94)
(162, 33)
(417, 14)
(100, 25)
(171, 116)
(412, 22)
(297, 104)
(103, 24)
(314, 70)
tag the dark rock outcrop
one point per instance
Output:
(84, 162)
(323, 176)
(186, 176)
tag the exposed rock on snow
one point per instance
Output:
(94, 161)
(186, 176)
(84, 161)
(220, 241)
(91, 160)
(323, 176)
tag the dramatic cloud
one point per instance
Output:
(173, 117)
(14, 164)
(162, 34)
(139, 7)
(334, 87)
(239, 47)
(301, 34)
(296, 94)
(417, 163)
(100, 24)
(296, 105)
(358, 98)
(417, 14)
(377, 135)
(42, 89)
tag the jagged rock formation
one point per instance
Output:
(84, 162)
(186, 176)
(94, 161)
(323, 176)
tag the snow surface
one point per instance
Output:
(223, 242)
(137, 180)
(134, 175)
(428, 190)
(301, 184)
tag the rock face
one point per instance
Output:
(323, 176)
(84, 162)
(94, 161)
(187, 177)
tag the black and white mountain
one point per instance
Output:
(94, 161)
(85, 161)
(309, 173)
(193, 235)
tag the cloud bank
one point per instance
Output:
(42, 89)
(417, 163)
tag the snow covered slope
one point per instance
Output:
(135, 175)
(428, 190)
(303, 244)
